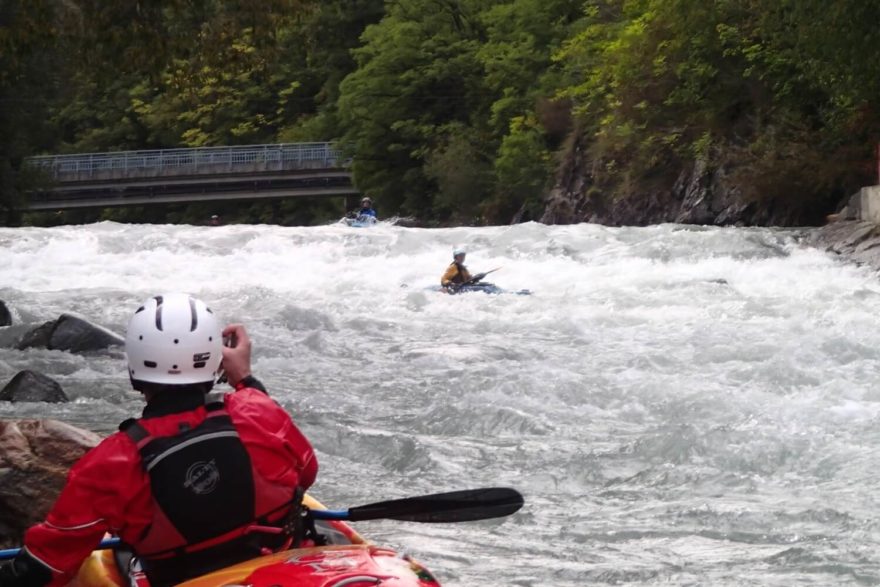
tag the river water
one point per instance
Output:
(679, 405)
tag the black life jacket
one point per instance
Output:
(203, 491)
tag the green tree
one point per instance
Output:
(461, 172)
(523, 169)
(440, 82)
(326, 38)
(26, 45)
(526, 124)
(659, 83)
(417, 78)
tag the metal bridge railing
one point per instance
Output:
(203, 160)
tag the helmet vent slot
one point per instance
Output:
(158, 313)
(194, 321)
(150, 364)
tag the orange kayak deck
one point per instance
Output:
(350, 561)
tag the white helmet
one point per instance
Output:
(459, 251)
(174, 339)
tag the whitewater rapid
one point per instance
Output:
(679, 405)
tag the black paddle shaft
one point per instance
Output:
(455, 506)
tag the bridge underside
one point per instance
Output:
(170, 190)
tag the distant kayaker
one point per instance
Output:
(367, 209)
(182, 484)
(457, 274)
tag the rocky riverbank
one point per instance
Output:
(35, 456)
(726, 193)
(858, 241)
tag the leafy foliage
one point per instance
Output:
(755, 85)
(454, 110)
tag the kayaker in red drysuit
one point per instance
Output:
(182, 483)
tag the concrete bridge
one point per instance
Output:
(129, 178)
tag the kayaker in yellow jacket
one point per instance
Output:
(457, 274)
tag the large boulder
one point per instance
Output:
(36, 338)
(30, 386)
(70, 332)
(76, 334)
(35, 456)
(5, 315)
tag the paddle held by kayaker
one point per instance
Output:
(181, 484)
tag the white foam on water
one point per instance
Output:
(680, 405)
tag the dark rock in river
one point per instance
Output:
(35, 456)
(76, 334)
(5, 316)
(36, 338)
(30, 386)
(70, 333)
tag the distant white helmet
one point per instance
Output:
(174, 339)
(459, 251)
(367, 200)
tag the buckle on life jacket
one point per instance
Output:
(299, 525)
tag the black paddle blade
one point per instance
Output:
(455, 506)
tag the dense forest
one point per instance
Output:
(463, 111)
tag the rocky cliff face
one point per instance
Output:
(697, 195)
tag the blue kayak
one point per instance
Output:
(361, 221)
(486, 288)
